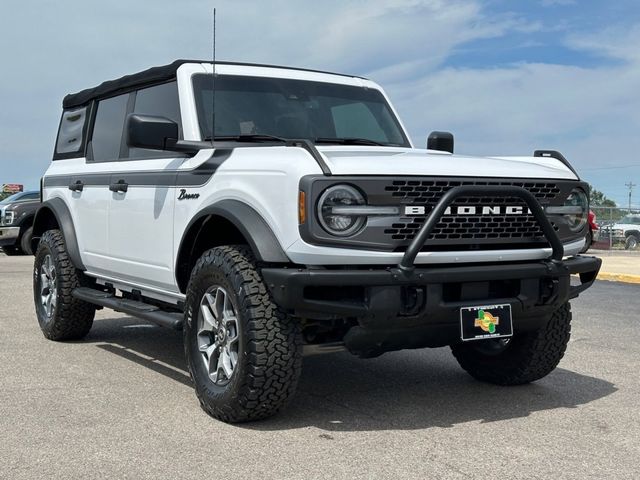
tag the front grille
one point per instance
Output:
(429, 191)
(486, 228)
(490, 226)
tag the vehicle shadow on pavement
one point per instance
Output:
(398, 391)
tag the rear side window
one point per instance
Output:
(71, 134)
(107, 128)
(159, 100)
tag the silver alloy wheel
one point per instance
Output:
(218, 335)
(48, 284)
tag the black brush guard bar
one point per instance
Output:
(407, 263)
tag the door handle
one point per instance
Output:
(119, 186)
(78, 186)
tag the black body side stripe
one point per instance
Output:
(154, 178)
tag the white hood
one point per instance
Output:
(402, 161)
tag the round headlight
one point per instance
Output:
(577, 221)
(340, 224)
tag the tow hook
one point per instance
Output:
(413, 301)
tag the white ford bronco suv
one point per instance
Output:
(268, 210)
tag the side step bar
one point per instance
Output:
(130, 307)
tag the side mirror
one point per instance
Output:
(149, 131)
(441, 141)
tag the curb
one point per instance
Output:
(619, 277)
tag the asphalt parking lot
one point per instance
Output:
(119, 405)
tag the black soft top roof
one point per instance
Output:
(151, 76)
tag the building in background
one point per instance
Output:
(9, 189)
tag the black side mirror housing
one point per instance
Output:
(441, 141)
(149, 131)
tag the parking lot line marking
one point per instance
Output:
(619, 277)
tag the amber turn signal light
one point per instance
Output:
(302, 209)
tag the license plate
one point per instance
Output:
(488, 321)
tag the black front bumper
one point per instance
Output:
(412, 307)
(426, 301)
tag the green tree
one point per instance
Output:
(605, 209)
(600, 199)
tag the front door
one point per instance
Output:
(143, 199)
(141, 221)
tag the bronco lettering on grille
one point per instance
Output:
(472, 210)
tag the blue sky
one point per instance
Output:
(506, 77)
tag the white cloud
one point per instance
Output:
(614, 42)
(591, 114)
(550, 3)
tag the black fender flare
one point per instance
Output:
(249, 223)
(62, 215)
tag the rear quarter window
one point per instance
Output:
(71, 133)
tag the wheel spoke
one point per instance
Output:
(49, 267)
(232, 337)
(226, 362)
(54, 298)
(221, 300)
(44, 283)
(210, 323)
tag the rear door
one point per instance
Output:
(90, 203)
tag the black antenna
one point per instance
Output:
(213, 83)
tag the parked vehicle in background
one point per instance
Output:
(16, 222)
(592, 233)
(626, 230)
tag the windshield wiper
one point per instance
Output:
(249, 138)
(349, 141)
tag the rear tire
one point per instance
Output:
(60, 315)
(244, 353)
(25, 241)
(527, 357)
(632, 242)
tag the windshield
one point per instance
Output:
(631, 219)
(296, 109)
(20, 197)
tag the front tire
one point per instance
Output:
(525, 358)
(60, 315)
(631, 242)
(244, 353)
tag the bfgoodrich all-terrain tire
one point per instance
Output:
(60, 315)
(244, 353)
(524, 358)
